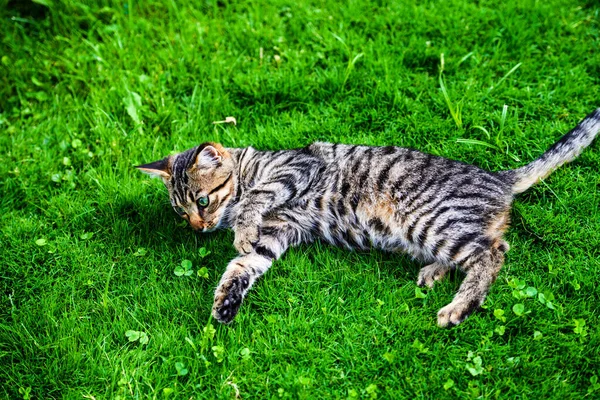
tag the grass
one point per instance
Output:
(91, 306)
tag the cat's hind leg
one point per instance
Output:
(482, 269)
(431, 273)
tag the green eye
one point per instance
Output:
(202, 201)
(179, 210)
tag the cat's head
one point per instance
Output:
(200, 183)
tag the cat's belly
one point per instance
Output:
(352, 233)
(336, 223)
(366, 239)
(385, 223)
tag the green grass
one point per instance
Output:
(89, 89)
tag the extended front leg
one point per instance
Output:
(234, 284)
(243, 271)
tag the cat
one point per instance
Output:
(447, 213)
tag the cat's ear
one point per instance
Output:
(158, 168)
(209, 157)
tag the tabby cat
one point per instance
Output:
(449, 214)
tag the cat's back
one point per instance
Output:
(391, 167)
(406, 198)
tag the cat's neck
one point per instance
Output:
(241, 157)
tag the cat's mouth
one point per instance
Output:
(198, 227)
(201, 227)
(204, 228)
(207, 229)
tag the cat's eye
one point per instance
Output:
(203, 201)
(179, 210)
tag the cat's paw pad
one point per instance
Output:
(431, 273)
(245, 239)
(455, 313)
(228, 299)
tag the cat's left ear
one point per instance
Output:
(158, 168)
(209, 157)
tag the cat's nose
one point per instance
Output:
(196, 223)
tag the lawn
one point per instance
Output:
(95, 302)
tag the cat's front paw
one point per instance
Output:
(245, 239)
(228, 298)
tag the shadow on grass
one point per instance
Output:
(153, 227)
(27, 9)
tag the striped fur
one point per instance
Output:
(449, 214)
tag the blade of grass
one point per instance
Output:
(477, 143)
(454, 109)
(509, 73)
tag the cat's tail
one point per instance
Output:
(563, 151)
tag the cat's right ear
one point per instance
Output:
(209, 157)
(158, 168)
